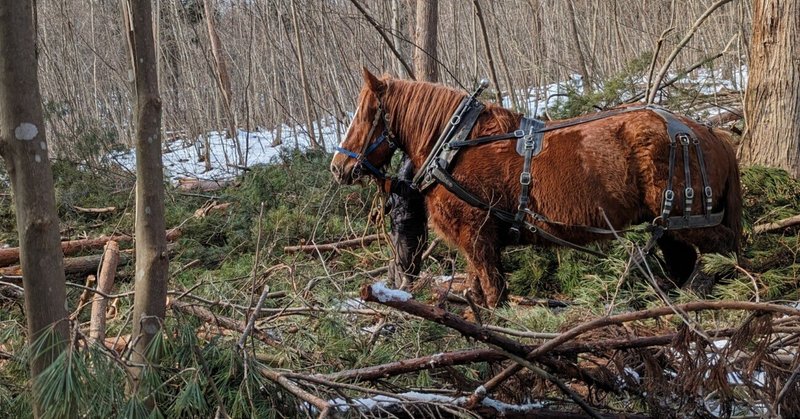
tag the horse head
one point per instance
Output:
(369, 142)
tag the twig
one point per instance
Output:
(629, 317)
(680, 46)
(385, 38)
(252, 321)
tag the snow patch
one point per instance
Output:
(26, 131)
(385, 294)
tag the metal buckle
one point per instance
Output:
(669, 195)
(519, 133)
(709, 193)
(525, 178)
(683, 138)
(455, 120)
(688, 193)
(529, 142)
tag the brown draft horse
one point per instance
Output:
(617, 166)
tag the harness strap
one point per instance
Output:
(483, 140)
(707, 191)
(444, 177)
(688, 191)
(530, 147)
(669, 193)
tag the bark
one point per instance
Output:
(772, 100)
(152, 262)
(426, 36)
(24, 149)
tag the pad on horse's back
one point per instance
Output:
(619, 164)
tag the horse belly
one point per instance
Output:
(585, 175)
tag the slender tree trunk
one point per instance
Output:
(24, 149)
(488, 47)
(587, 81)
(396, 31)
(772, 102)
(223, 78)
(149, 305)
(303, 79)
(426, 37)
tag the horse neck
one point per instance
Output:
(420, 111)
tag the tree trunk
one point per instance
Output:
(223, 79)
(426, 65)
(149, 305)
(772, 102)
(24, 148)
(587, 81)
(304, 80)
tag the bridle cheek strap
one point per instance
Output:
(371, 147)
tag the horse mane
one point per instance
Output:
(421, 110)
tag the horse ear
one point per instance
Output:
(375, 84)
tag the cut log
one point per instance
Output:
(194, 184)
(81, 265)
(10, 255)
(105, 281)
(103, 210)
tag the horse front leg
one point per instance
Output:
(485, 277)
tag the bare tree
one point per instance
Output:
(772, 102)
(149, 306)
(426, 37)
(24, 149)
(303, 78)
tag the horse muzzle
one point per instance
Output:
(343, 170)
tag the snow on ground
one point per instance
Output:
(181, 157)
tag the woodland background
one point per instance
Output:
(256, 311)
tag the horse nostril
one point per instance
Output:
(337, 170)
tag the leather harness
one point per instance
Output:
(529, 139)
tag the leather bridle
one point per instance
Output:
(369, 147)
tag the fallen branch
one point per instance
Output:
(208, 316)
(688, 36)
(402, 301)
(625, 318)
(334, 247)
(323, 406)
(81, 265)
(779, 225)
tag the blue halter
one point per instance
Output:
(386, 136)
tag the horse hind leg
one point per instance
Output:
(683, 261)
(680, 258)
